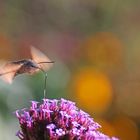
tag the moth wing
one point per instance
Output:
(39, 58)
(8, 72)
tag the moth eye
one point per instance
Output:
(34, 66)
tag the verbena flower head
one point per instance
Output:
(57, 120)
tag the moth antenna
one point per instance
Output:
(46, 62)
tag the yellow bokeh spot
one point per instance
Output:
(93, 90)
(125, 128)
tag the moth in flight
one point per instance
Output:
(38, 62)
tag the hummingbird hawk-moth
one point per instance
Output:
(38, 62)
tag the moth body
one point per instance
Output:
(27, 66)
(38, 62)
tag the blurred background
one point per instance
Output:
(95, 46)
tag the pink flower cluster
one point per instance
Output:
(57, 120)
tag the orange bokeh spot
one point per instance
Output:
(6, 51)
(125, 128)
(25, 42)
(106, 127)
(104, 49)
(93, 90)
